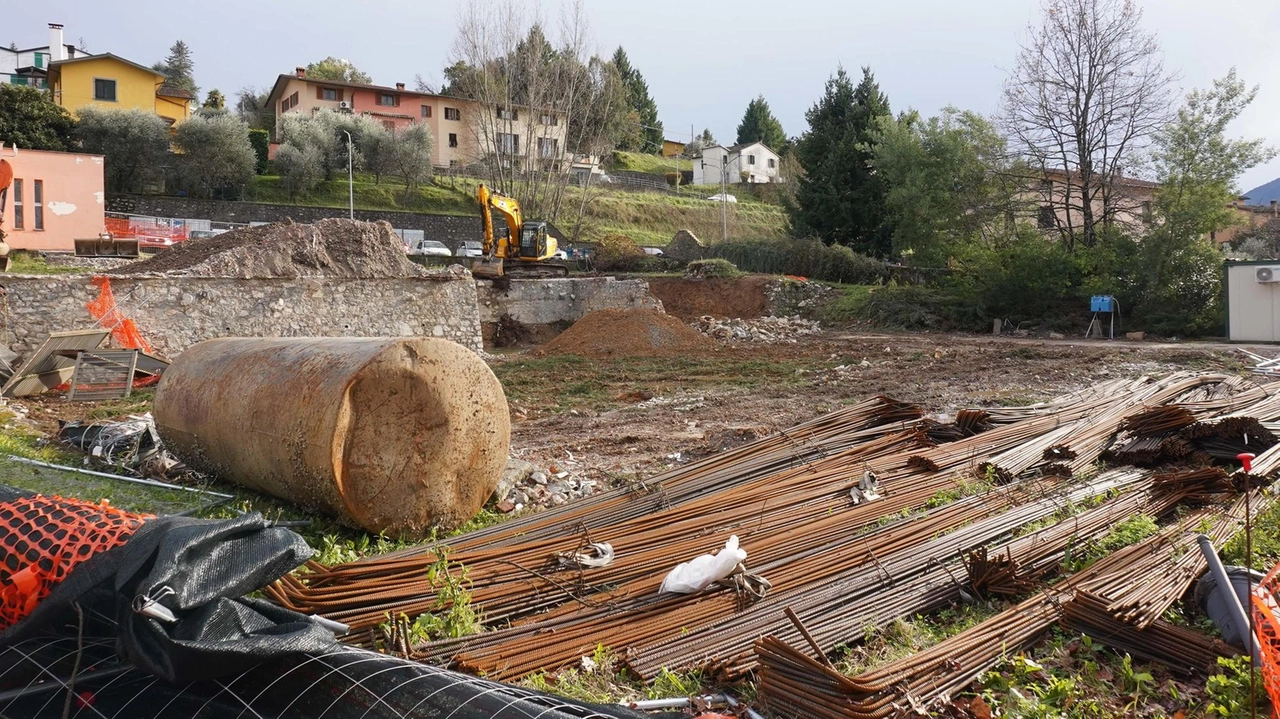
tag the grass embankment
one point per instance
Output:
(437, 197)
(649, 218)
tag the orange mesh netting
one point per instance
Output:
(104, 310)
(44, 539)
(1266, 618)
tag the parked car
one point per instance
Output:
(470, 248)
(431, 247)
(560, 255)
(652, 251)
(723, 198)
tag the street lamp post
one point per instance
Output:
(724, 197)
(351, 186)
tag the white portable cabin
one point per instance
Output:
(1253, 300)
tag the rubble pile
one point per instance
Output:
(328, 248)
(794, 296)
(540, 489)
(762, 329)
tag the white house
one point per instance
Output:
(751, 162)
(31, 66)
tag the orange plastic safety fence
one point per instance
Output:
(144, 230)
(44, 539)
(104, 310)
(1266, 618)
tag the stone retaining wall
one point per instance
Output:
(550, 301)
(176, 312)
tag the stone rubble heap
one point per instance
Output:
(768, 330)
(540, 489)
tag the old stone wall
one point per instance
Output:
(551, 301)
(176, 312)
(449, 229)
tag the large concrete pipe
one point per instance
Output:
(395, 435)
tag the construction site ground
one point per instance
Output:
(628, 417)
(619, 420)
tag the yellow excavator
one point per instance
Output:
(528, 244)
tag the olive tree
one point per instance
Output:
(135, 144)
(215, 154)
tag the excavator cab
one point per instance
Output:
(533, 241)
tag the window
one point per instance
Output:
(18, 222)
(548, 147)
(104, 90)
(38, 202)
(1046, 188)
(772, 163)
(330, 93)
(550, 120)
(426, 111)
(1047, 220)
(389, 124)
(506, 113)
(17, 80)
(453, 139)
(452, 113)
(289, 103)
(453, 163)
(387, 99)
(751, 159)
(508, 144)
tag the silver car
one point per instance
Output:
(431, 247)
(471, 248)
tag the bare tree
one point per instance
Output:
(1088, 91)
(540, 102)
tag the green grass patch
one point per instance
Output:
(846, 306)
(31, 263)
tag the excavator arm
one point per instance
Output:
(510, 211)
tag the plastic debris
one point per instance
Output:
(705, 569)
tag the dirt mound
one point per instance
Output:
(329, 248)
(745, 297)
(627, 333)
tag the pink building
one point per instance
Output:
(55, 198)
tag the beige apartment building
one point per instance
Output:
(465, 131)
(1057, 201)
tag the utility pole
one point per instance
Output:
(351, 186)
(724, 198)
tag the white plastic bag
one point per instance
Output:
(705, 569)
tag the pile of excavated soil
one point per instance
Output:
(627, 333)
(329, 248)
(743, 297)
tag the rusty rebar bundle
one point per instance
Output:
(839, 561)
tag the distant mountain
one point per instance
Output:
(1265, 194)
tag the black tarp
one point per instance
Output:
(224, 655)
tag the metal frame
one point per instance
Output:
(103, 367)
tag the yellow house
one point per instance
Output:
(111, 82)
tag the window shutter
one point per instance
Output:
(397, 101)
(342, 95)
(319, 92)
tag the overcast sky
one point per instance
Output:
(704, 60)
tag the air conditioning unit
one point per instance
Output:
(1270, 273)
(344, 105)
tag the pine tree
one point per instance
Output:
(759, 125)
(839, 199)
(645, 107)
(178, 69)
